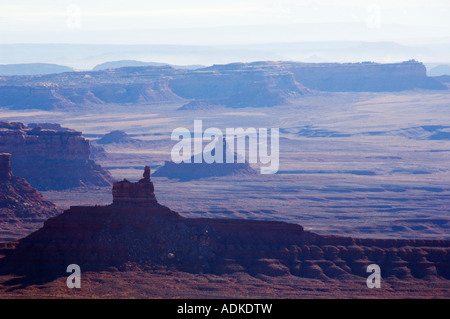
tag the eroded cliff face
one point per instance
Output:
(51, 158)
(364, 77)
(237, 87)
(22, 208)
(149, 235)
(257, 84)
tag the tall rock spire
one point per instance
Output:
(146, 175)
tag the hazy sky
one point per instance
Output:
(221, 22)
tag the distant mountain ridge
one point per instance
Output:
(49, 68)
(439, 70)
(33, 69)
(132, 63)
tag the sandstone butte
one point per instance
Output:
(136, 231)
(22, 208)
(191, 170)
(44, 153)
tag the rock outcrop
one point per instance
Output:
(147, 235)
(51, 157)
(22, 208)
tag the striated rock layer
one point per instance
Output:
(147, 235)
(51, 157)
(22, 208)
(235, 85)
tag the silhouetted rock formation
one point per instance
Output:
(140, 193)
(52, 158)
(257, 84)
(22, 208)
(190, 171)
(147, 235)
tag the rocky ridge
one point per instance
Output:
(133, 233)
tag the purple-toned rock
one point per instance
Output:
(5, 166)
(51, 157)
(22, 208)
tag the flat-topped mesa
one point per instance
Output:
(139, 193)
(5, 166)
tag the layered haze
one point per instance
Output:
(91, 92)
(82, 34)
